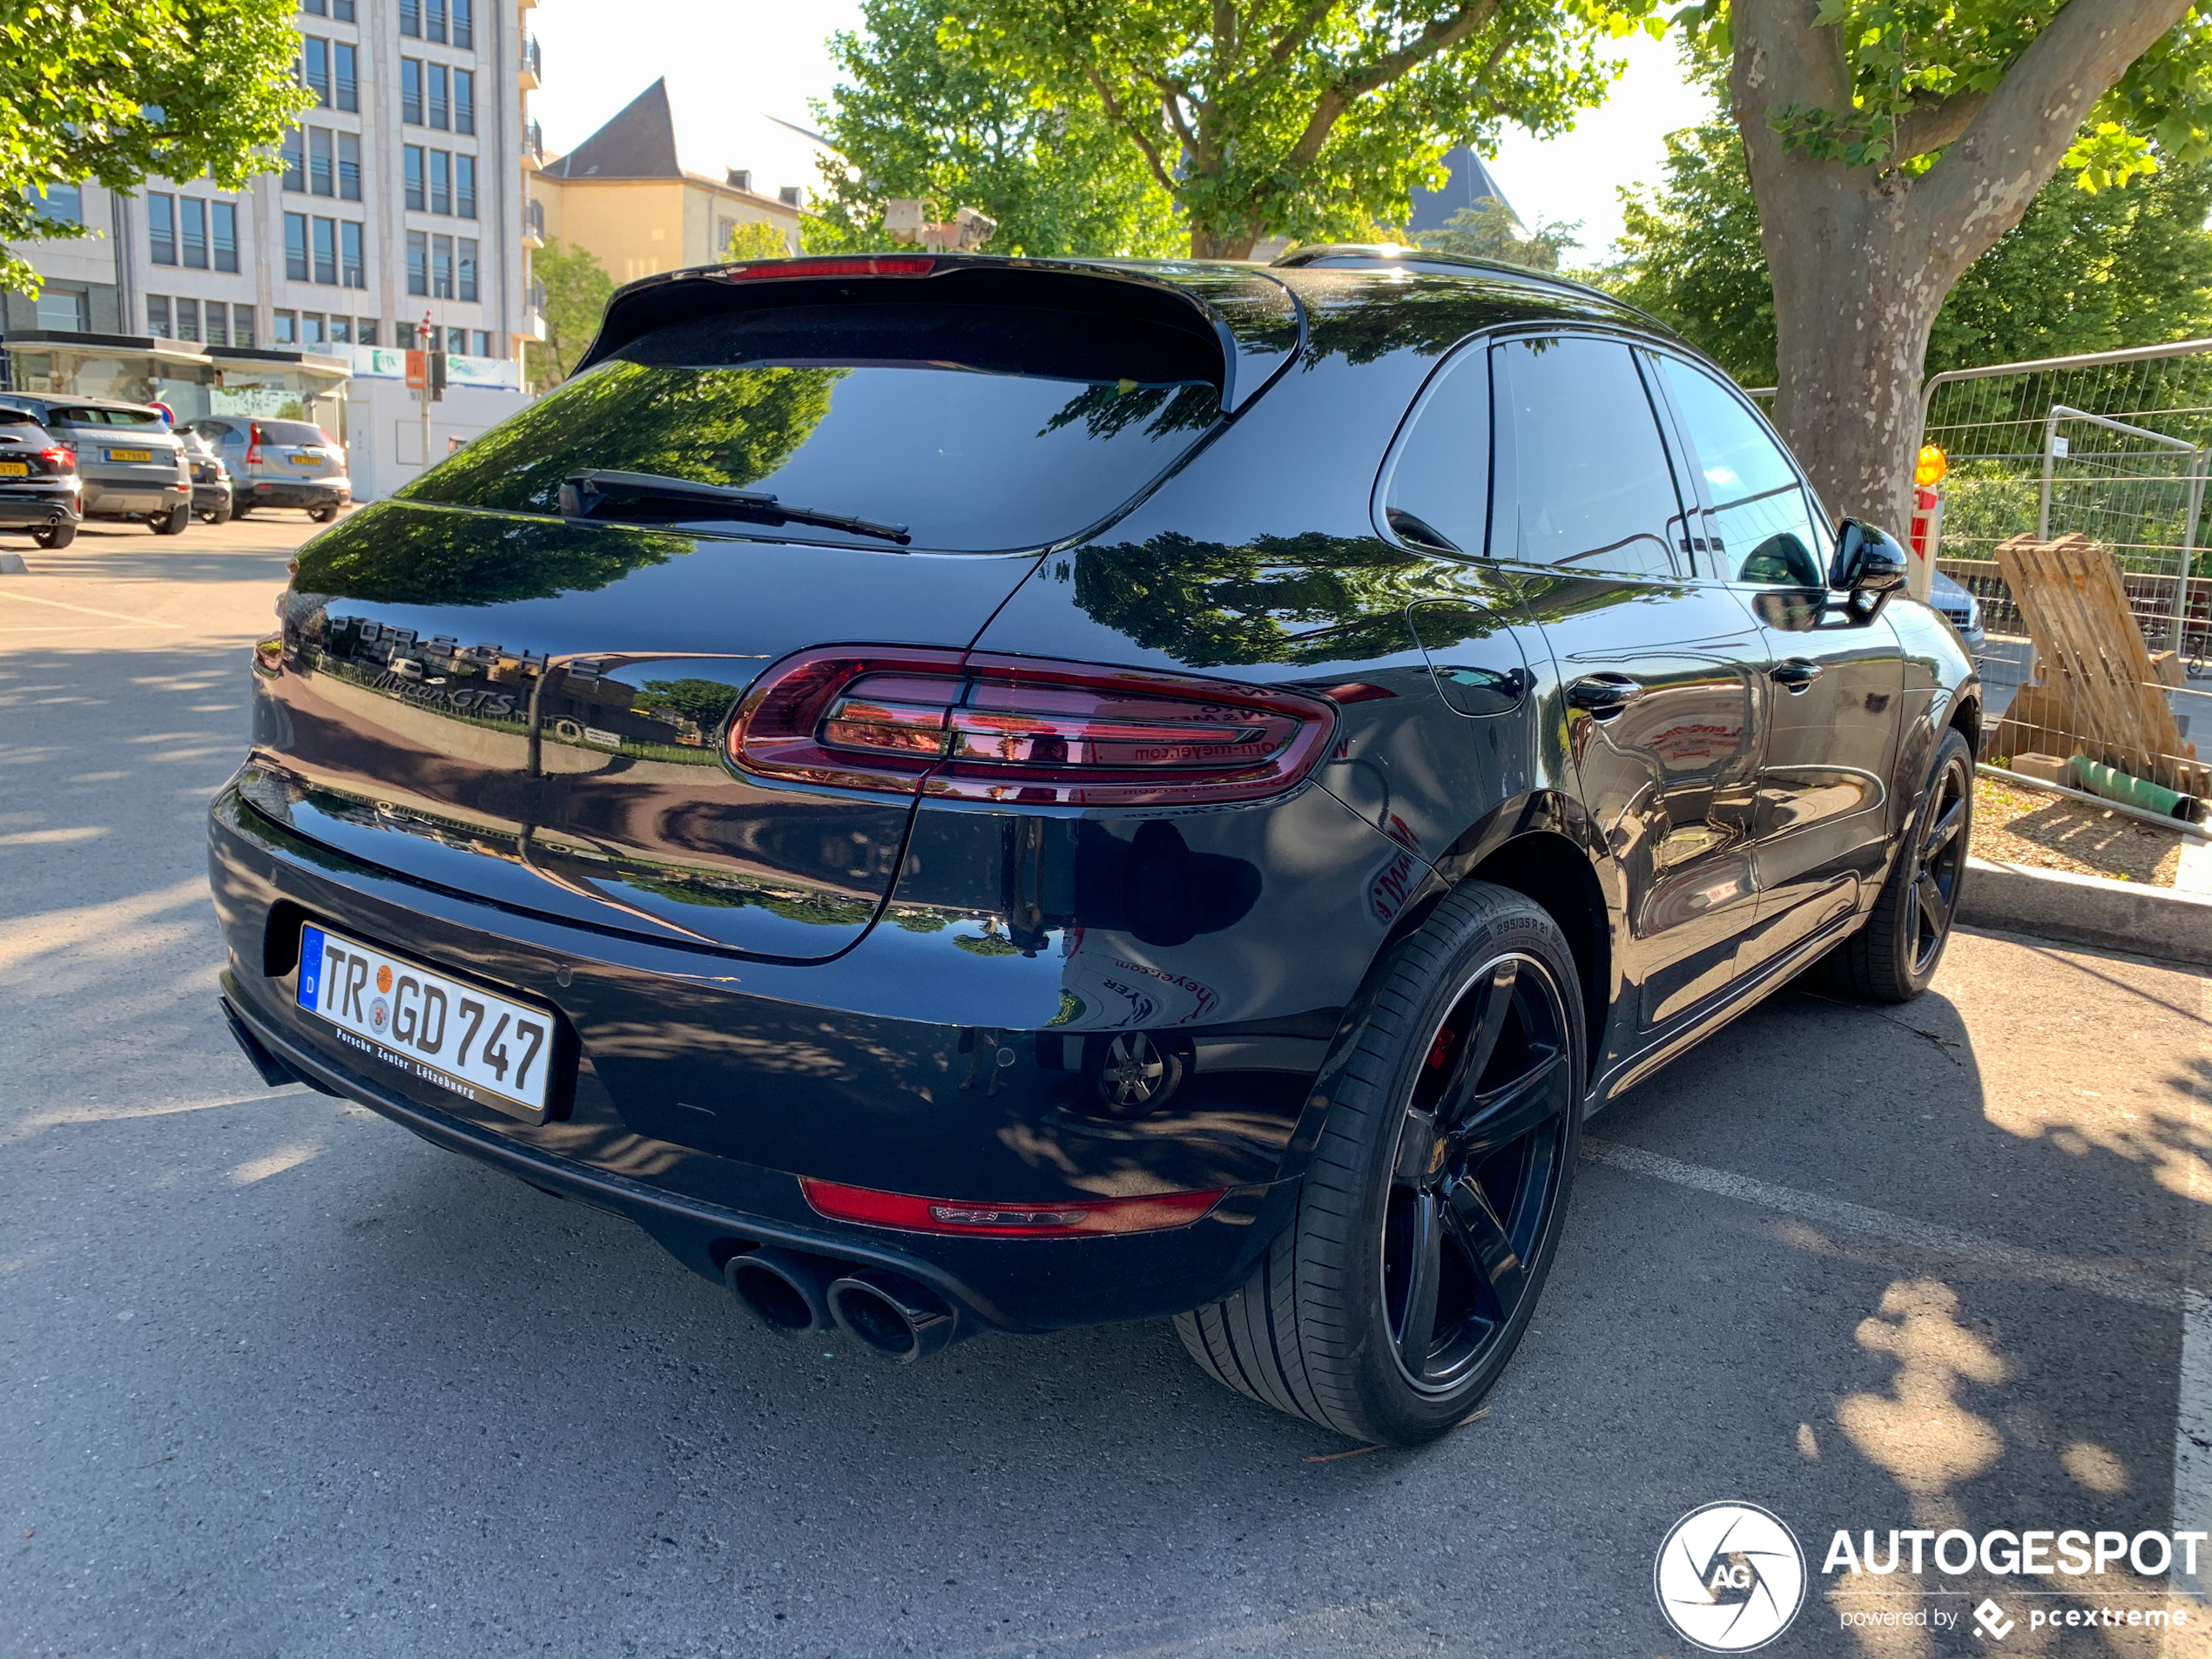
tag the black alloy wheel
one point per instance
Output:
(1893, 956)
(1431, 1209)
(1479, 1154)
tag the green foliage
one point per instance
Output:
(918, 114)
(117, 93)
(701, 702)
(718, 426)
(395, 554)
(577, 288)
(1310, 119)
(1489, 231)
(757, 240)
(2081, 271)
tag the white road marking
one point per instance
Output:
(1880, 1224)
(62, 604)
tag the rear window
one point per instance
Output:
(292, 432)
(126, 417)
(975, 428)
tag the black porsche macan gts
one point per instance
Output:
(967, 793)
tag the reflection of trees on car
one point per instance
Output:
(1112, 407)
(714, 426)
(393, 556)
(699, 702)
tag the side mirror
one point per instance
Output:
(1869, 565)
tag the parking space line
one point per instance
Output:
(111, 616)
(1902, 1230)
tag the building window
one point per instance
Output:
(296, 159)
(310, 328)
(161, 228)
(350, 166)
(326, 251)
(457, 341)
(480, 343)
(441, 182)
(67, 310)
(343, 10)
(284, 328)
(295, 246)
(467, 268)
(345, 77)
(464, 100)
(433, 20)
(465, 186)
(411, 91)
(224, 215)
(441, 268)
(316, 8)
(341, 331)
(418, 262)
(241, 325)
(322, 161)
(188, 319)
(435, 74)
(365, 332)
(412, 154)
(157, 316)
(59, 204)
(217, 334)
(411, 18)
(314, 68)
(349, 255)
(191, 214)
(464, 23)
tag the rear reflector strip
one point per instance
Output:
(1155, 1213)
(866, 265)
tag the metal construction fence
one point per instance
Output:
(2115, 445)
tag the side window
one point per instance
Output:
(1437, 494)
(1762, 530)
(1579, 445)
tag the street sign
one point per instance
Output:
(418, 371)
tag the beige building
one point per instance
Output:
(623, 195)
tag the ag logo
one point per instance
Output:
(1730, 1577)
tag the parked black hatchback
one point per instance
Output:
(967, 793)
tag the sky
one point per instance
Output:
(732, 65)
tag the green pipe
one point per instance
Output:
(2114, 785)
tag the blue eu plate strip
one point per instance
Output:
(310, 966)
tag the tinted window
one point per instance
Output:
(1591, 488)
(1438, 493)
(292, 432)
(132, 417)
(1762, 530)
(978, 426)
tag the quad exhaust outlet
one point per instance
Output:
(798, 1294)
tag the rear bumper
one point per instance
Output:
(27, 509)
(211, 498)
(296, 492)
(698, 1102)
(107, 498)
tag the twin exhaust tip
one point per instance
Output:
(798, 1294)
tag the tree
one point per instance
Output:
(121, 93)
(919, 113)
(577, 288)
(756, 239)
(1490, 230)
(1890, 143)
(1310, 119)
(2083, 271)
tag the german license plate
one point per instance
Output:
(15, 470)
(306, 461)
(483, 1047)
(130, 455)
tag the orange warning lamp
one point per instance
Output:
(1932, 466)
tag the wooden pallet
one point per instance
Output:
(2098, 693)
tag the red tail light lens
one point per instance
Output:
(59, 459)
(864, 264)
(254, 446)
(1155, 1213)
(1015, 729)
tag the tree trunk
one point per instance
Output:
(1209, 243)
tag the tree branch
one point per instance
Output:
(1146, 143)
(1441, 36)
(1926, 126)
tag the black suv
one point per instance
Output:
(39, 483)
(965, 792)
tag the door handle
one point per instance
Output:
(1602, 695)
(1796, 673)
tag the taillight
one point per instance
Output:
(59, 459)
(254, 446)
(864, 265)
(1154, 1213)
(1017, 730)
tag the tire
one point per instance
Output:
(221, 516)
(59, 535)
(238, 512)
(1892, 958)
(322, 514)
(172, 522)
(1450, 1141)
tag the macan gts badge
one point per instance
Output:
(979, 794)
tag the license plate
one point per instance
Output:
(15, 470)
(483, 1047)
(130, 455)
(306, 461)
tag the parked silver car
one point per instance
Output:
(211, 479)
(1961, 608)
(130, 465)
(279, 463)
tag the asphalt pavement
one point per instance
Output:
(276, 1378)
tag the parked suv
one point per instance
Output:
(963, 793)
(279, 463)
(39, 487)
(130, 465)
(211, 479)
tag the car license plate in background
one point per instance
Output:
(307, 460)
(15, 470)
(130, 455)
(480, 1046)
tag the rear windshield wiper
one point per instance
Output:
(598, 495)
